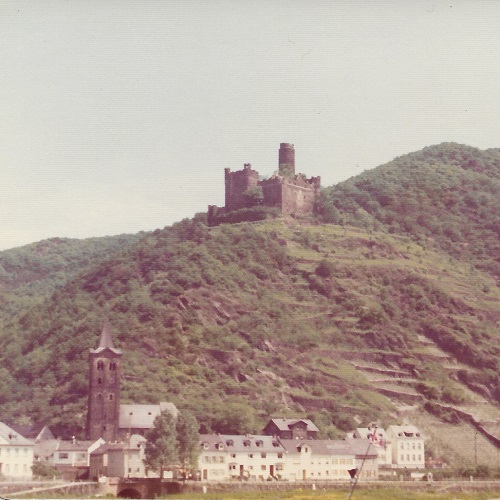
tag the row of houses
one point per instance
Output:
(287, 450)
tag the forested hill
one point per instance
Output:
(445, 195)
(342, 322)
(31, 273)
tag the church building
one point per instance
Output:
(106, 417)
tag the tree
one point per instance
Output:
(188, 439)
(161, 447)
(254, 196)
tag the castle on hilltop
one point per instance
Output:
(292, 194)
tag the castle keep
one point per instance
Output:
(292, 194)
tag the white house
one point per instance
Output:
(16, 454)
(253, 458)
(408, 446)
(213, 459)
(317, 460)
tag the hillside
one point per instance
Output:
(31, 273)
(444, 197)
(340, 323)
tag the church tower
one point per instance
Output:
(103, 410)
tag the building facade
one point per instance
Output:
(16, 455)
(408, 447)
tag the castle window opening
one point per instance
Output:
(100, 365)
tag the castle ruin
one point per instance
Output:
(292, 194)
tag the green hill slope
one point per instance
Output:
(444, 196)
(270, 318)
(31, 273)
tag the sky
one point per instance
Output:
(119, 116)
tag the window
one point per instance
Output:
(412, 446)
(262, 467)
(233, 455)
(99, 380)
(419, 446)
(407, 457)
(100, 365)
(63, 455)
(263, 455)
(250, 455)
(111, 397)
(402, 458)
(280, 455)
(221, 459)
(112, 365)
(420, 458)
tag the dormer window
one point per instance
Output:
(229, 442)
(246, 443)
(219, 446)
(205, 446)
(259, 443)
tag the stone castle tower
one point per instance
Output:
(291, 193)
(104, 389)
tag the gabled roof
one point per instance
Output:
(10, 436)
(212, 442)
(362, 448)
(38, 432)
(106, 341)
(329, 447)
(258, 444)
(405, 431)
(285, 424)
(142, 416)
(134, 443)
(367, 433)
(75, 445)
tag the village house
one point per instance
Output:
(291, 428)
(72, 458)
(317, 460)
(119, 459)
(213, 459)
(408, 447)
(366, 457)
(252, 458)
(16, 454)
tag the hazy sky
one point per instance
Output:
(120, 116)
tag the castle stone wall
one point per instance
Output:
(237, 183)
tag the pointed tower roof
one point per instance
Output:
(106, 341)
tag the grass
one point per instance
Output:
(362, 494)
